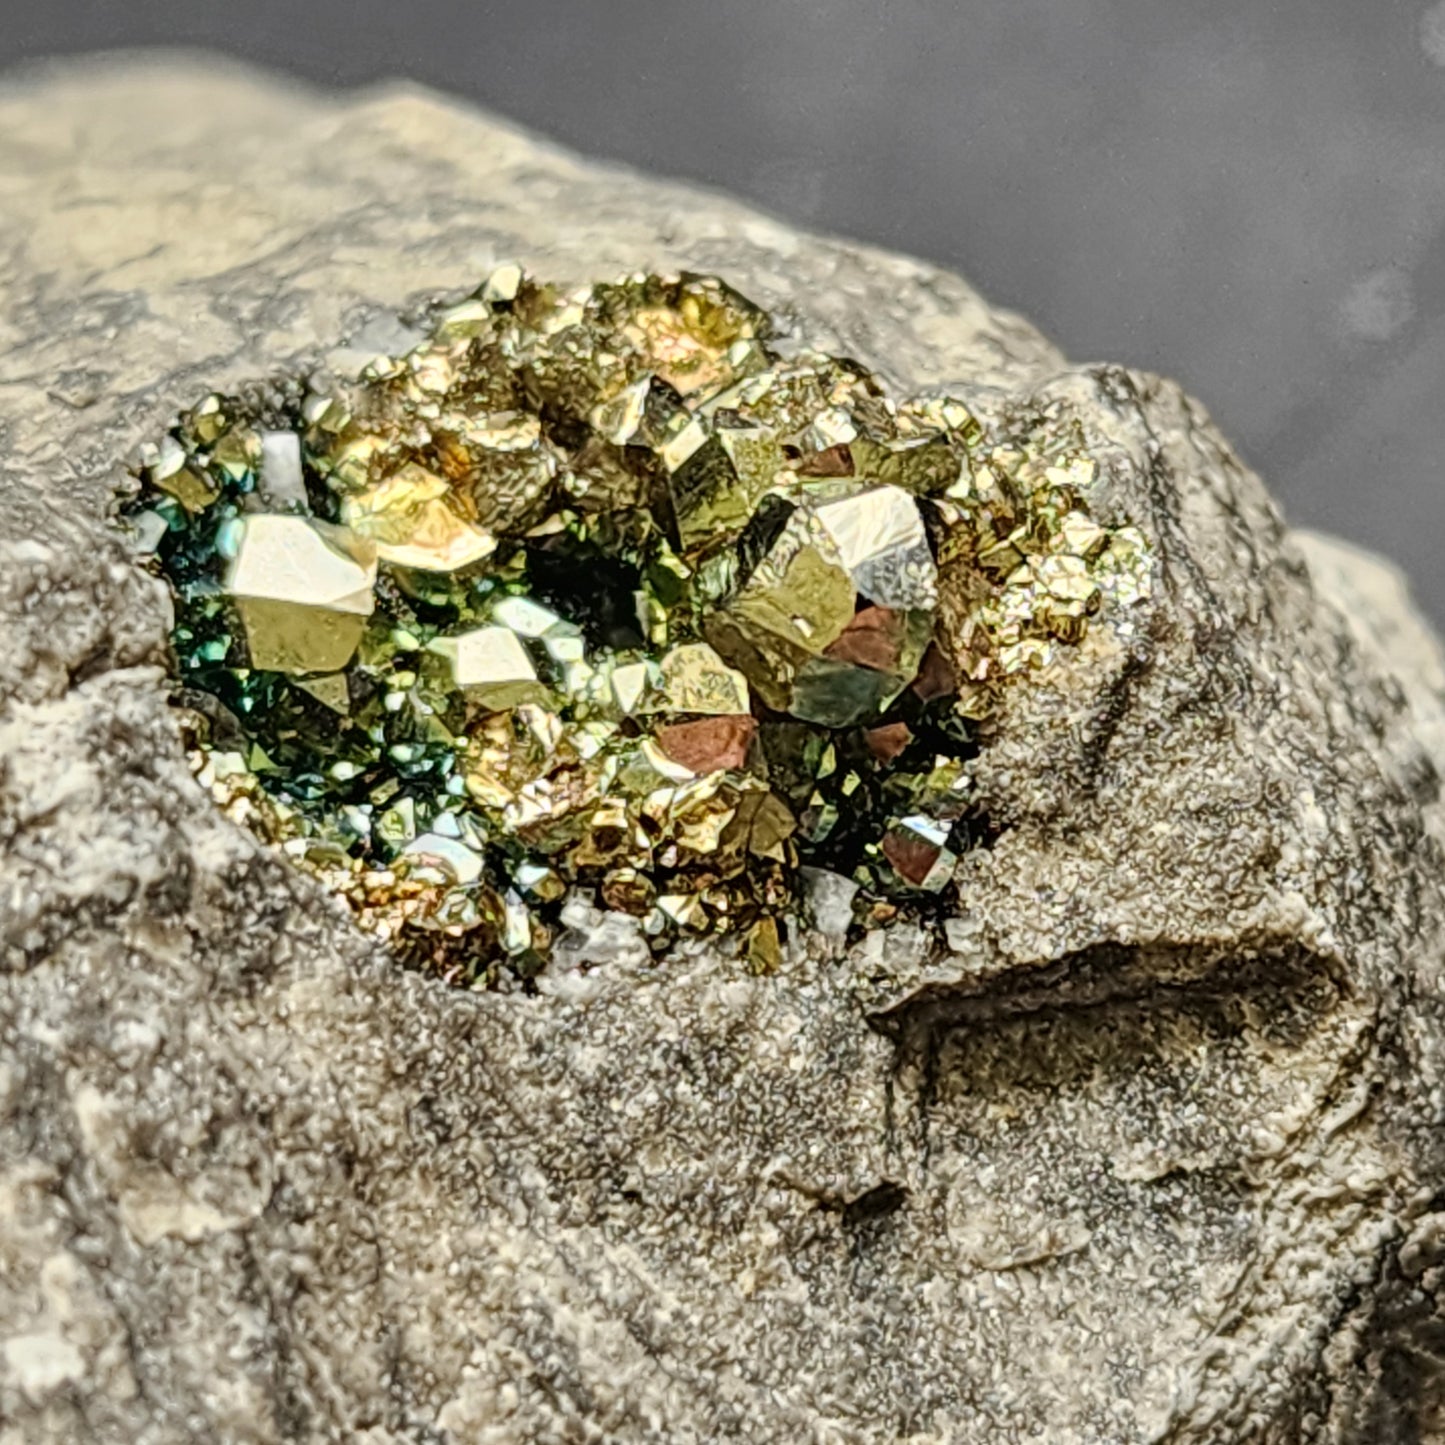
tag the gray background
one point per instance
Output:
(1246, 194)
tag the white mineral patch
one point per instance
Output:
(41, 1363)
(829, 898)
(281, 475)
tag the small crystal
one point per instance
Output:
(433, 850)
(148, 529)
(830, 898)
(886, 742)
(525, 617)
(175, 474)
(492, 667)
(765, 953)
(696, 679)
(917, 850)
(409, 518)
(331, 689)
(503, 284)
(630, 684)
(710, 744)
(281, 477)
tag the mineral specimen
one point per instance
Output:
(1145, 1147)
(600, 591)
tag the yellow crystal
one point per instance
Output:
(411, 519)
(880, 539)
(492, 667)
(304, 591)
(696, 679)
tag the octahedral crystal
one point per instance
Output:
(303, 590)
(603, 598)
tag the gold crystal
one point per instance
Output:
(453, 860)
(879, 534)
(492, 667)
(304, 591)
(410, 517)
(695, 679)
(665, 615)
(171, 473)
(801, 628)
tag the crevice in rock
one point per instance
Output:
(1113, 973)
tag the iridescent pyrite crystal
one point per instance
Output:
(595, 597)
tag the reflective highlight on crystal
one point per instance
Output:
(607, 599)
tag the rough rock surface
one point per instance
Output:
(1155, 1156)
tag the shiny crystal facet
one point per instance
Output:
(832, 623)
(282, 480)
(304, 592)
(695, 679)
(411, 519)
(492, 667)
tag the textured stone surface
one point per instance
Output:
(1154, 1154)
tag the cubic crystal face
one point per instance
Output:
(608, 598)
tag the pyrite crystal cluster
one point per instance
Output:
(596, 599)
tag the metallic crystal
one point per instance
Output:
(304, 592)
(492, 667)
(409, 517)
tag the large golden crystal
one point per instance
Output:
(832, 622)
(304, 590)
(492, 667)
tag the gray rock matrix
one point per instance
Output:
(1152, 1153)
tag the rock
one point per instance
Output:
(1153, 1154)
